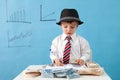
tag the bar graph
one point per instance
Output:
(17, 16)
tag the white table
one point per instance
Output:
(22, 76)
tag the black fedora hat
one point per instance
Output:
(69, 15)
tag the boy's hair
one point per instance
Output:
(71, 21)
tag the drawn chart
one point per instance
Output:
(17, 16)
(43, 18)
(21, 39)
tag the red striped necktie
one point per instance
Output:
(67, 49)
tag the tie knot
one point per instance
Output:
(68, 38)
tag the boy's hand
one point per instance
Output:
(79, 61)
(58, 62)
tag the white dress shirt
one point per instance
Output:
(80, 48)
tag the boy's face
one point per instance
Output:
(69, 28)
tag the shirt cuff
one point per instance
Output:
(85, 58)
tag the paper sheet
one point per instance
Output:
(67, 66)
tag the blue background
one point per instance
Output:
(28, 27)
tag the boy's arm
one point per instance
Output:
(54, 51)
(85, 50)
(54, 56)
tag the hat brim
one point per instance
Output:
(79, 22)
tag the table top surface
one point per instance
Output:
(23, 76)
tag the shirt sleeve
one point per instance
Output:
(85, 50)
(53, 50)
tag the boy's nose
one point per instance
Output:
(69, 29)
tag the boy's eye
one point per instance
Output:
(72, 27)
(65, 26)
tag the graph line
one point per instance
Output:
(42, 18)
(20, 36)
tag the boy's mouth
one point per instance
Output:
(69, 33)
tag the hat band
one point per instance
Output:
(69, 18)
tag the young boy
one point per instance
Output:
(69, 47)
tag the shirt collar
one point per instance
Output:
(72, 36)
